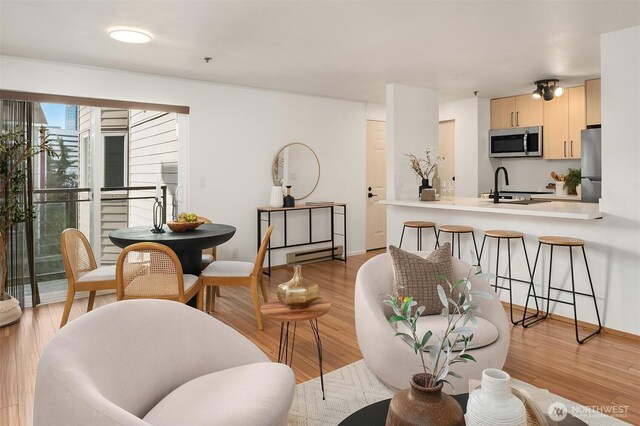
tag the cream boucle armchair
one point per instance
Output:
(141, 362)
(390, 357)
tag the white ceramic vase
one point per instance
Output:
(276, 196)
(561, 189)
(493, 404)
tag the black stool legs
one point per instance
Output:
(453, 243)
(496, 286)
(419, 238)
(572, 291)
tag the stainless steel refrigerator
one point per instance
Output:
(591, 171)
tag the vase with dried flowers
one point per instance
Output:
(424, 402)
(424, 167)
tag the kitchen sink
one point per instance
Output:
(525, 202)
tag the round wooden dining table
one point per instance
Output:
(187, 245)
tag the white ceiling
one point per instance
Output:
(343, 49)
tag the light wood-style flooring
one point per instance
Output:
(605, 371)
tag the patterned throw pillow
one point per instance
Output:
(419, 276)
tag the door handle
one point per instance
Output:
(565, 149)
(571, 150)
(370, 195)
(511, 118)
(517, 118)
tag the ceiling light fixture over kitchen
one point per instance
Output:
(547, 89)
(130, 35)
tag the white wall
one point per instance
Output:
(376, 112)
(412, 127)
(234, 133)
(474, 170)
(531, 174)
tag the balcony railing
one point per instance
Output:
(61, 208)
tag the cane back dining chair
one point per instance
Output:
(81, 270)
(236, 273)
(153, 271)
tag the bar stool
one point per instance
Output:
(419, 225)
(457, 230)
(570, 243)
(508, 235)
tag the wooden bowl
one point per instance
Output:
(183, 226)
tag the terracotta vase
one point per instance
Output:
(419, 405)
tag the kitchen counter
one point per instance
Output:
(555, 209)
(610, 247)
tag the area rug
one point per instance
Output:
(353, 387)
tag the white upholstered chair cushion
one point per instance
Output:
(116, 363)
(228, 268)
(102, 273)
(222, 398)
(485, 332)
(207, 258)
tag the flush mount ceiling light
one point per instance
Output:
(547, 89)
(130, 35)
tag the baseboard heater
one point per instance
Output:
(315, 255)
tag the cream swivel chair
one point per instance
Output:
(235, 273)
(81, 270)
(153, 271)
(155, 362)
(392, 359)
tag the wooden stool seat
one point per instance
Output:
(419, 224)
(498, 233)
(456, 229)
(561, 241)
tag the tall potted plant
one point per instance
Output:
(424, 402)
(15, 150)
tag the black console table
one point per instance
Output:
(335, 208)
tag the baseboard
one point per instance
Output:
(569, 320)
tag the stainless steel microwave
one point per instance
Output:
(516, 142)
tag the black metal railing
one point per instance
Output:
(59, 208)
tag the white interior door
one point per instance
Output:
(376, 185)
(447, 169)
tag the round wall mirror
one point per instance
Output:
(297, 165)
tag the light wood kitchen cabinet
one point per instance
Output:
(592, 100)
(516, 111)
(564, 119)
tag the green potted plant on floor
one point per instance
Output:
(15, 150)
(572, 181)
(424, 402)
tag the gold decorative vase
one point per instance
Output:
(298, 292)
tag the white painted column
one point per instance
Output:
(412, 127)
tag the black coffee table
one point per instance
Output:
(376, 414)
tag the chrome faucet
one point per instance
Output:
(496, 193)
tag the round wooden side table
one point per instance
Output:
(286, 315)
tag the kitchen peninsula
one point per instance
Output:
(609, 262)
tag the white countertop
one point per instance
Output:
(556, 209)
